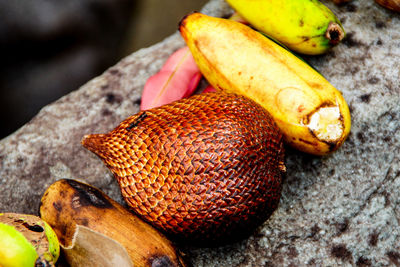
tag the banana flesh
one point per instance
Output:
(304, 26)
(311, 113)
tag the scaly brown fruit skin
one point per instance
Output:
(68, 203)
(205, 168)
(390, 4)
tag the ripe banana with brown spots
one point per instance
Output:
(95, 230)
(304, 26)
(311, 113)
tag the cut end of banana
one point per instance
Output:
(326, 124)
(334, 33)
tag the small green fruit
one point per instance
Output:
(15, 249)
(26, 240)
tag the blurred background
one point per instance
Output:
(50, 48)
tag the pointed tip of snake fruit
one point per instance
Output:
(93, 142)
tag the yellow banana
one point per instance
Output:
(304, 26)
(311, 113)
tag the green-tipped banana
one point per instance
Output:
(304, 26)
(26, 240)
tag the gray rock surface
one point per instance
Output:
(338, 210)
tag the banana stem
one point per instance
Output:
(334, 33)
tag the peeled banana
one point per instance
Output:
(304, 26)
(95, 230)
(311, 113)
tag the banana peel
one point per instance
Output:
(91, 248)
(305, 26)
(95, 230)
(311, 113)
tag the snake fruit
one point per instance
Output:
(204, 168)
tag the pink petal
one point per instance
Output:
(192, 85)
(178, 78)
(181, 58)
(208, 89)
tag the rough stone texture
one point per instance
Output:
(342, 209)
